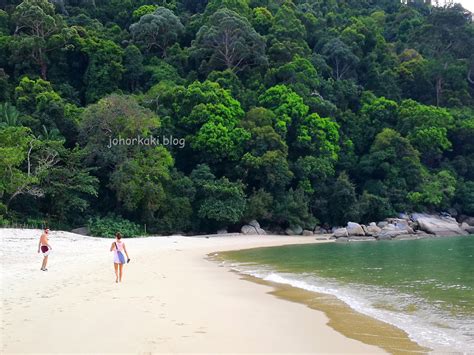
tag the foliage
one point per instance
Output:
(108, 226)
(229, 42)
(157, 30)
(291, 112)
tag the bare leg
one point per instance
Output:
(121, 270)
(45, 262)
(116, 272)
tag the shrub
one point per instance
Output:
(107, 227)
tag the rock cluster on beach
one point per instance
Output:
(414, 226)
(253, 227)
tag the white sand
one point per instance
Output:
(172, 300)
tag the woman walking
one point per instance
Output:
(118, 247)
(45, 248)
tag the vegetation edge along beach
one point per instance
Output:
(325, 113)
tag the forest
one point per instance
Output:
(294, 113)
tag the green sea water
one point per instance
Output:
(425, 287)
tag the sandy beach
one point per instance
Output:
(172, 300)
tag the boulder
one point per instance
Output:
(469, 221)
(371, 229)
(400, 223)
(248, 229)
(384, 237)
(253, 227)
(354, 229)
(403, 216)
(342, 239)
(307, 233)
(453, 212)
(466, 227)
(438, 225)
(320, 230)
(294, 230)
(392, 230)
(340, 233)
(254, 223)
(382, 224)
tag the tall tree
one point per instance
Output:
(229, 42)
(157, 31)
(38, 29)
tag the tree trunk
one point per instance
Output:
(439, 90)
(44, 70)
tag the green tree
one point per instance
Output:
(436, 191)
(238, 6)
(223, 202)
(143, 10)
(139, 181)
(393, 162)
(68, 187)
(228, 41)
(340, 57)
(133, 66)
(113, 117)
(37, 23)
(105, 68)
(287, 106)
(343, 206)
(42, 107)
(157, 31)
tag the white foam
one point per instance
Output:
(427, 326)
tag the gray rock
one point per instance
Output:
(372, 224)
(319, 230)
(340, 233)
(307, 233)
(382, 224)
(466, 227)
(453, 212)
(342, 239)
(222, 231)
(400, 223)
(438, 225)
(372, 229)
(354, 229)
(294, 230)
(469, 220)
(248, 229)
(403, 216)
(384, 237)
(254, 223)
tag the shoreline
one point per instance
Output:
(381, 326)
(172, 300)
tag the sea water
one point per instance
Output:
(425, 287)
